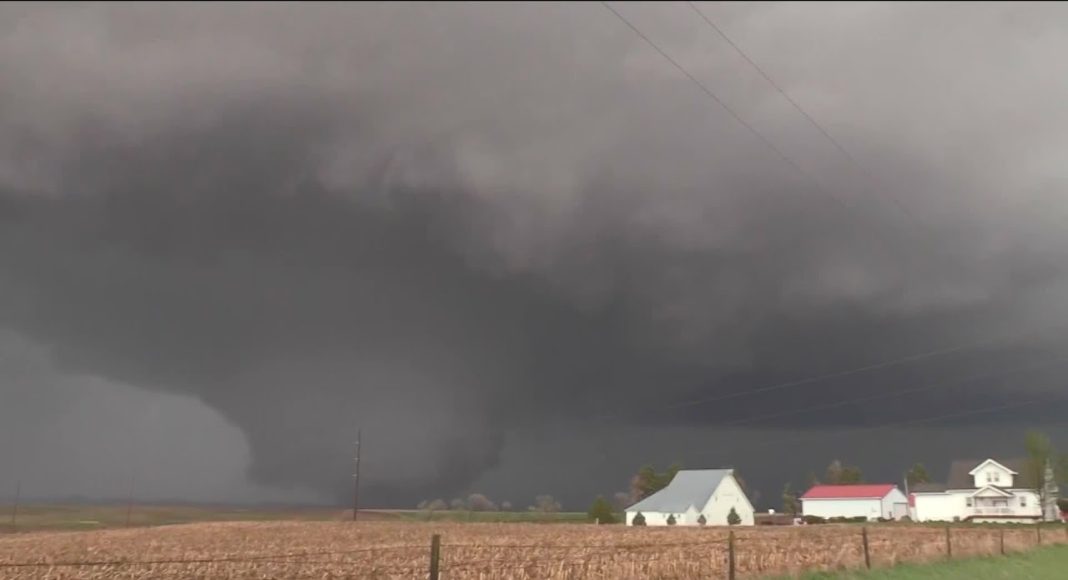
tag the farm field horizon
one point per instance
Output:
(400, 549)
(49, 516)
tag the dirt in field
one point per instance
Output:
(386, 550)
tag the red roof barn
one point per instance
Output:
(870, 501)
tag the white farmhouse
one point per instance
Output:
(983, 491)
(694, 493)
(876, 501)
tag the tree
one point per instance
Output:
(639, 520)
(620, 500)
(506, 506)
(790, 503)
(837, 474)
(477, 502)
(545, 504)
(1042, 461)
(812, 479)
(435, 505)
(601, 511)
(833, 475)
(648, 481)
(457, 505)
(752, 494)
(733, 518)
(917, 474)
(671, 519)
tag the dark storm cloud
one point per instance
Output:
(456, 225)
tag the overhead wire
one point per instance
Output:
(793, 103)
(767, 142)
(712, 95)
(910, 391)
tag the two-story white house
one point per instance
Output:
(982, 491)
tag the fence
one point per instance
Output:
(754, 552)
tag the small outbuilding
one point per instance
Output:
(875, 501)
(695, 497)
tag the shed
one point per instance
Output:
(875, 501)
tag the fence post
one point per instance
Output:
(867, 554)
(730, 556)
(435, 555)
(949, 544)
(1001, 534)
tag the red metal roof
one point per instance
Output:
(878, 491)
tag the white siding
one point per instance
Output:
(651, 518)
(729, 494)
(896, 496)
(842, 508)
(944, 507)
(992, 473)
(938, 507)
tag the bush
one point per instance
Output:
(813, 520)
(671, 520)
(701, 520)
(845, 520)
(1063, 504)
(733, 518)
(639, 520)
(601, 511)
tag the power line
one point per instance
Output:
(823, 131)
(973, 412)
(956, 382)
(712, 95)
(857, 370)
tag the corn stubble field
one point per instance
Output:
(386, 550)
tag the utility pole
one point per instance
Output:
(129, 501)
(15, 506)
(356, 480)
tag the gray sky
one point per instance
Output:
(508, 239)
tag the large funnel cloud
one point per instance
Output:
(448, 224)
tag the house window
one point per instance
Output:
(1023, 502)
(997, 476)
(968, 502)
(989, 477)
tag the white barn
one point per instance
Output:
(694, 493)
(851, 501)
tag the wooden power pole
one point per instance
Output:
(356, 480)
(15, 506)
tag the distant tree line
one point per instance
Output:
(477, 502)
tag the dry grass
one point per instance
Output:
(386, 550)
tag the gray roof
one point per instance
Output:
(690, 487)
(959, 478)
(928, 488)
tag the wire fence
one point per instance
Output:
(750, 553)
